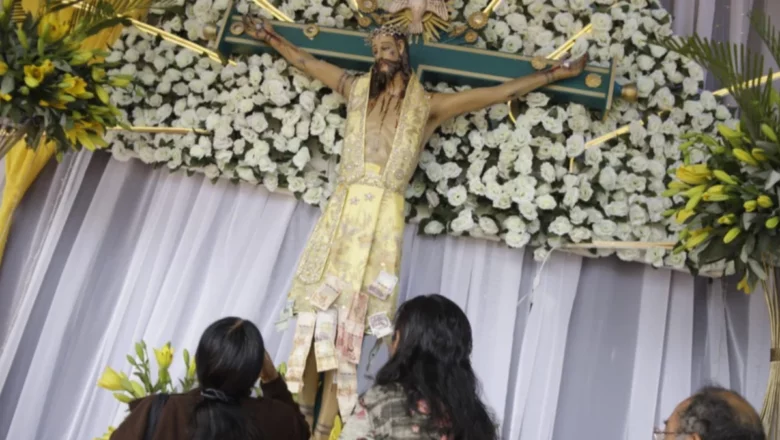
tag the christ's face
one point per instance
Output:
(387, 53)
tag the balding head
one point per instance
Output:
(715, 413)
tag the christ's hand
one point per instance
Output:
(569, 69)
(258, 28)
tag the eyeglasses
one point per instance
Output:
(660, 434)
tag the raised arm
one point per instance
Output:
(445, 106)
(336, 78)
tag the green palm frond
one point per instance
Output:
(768, 33)
(92, 16)
(733, 65)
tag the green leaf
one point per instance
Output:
(747, 220)
(139, 350)
(756, 268)
(124, 398)
(747, 248)
(131, 360)
(716, 250)
(772, 180)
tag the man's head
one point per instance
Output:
(391, 57)
(714, 413)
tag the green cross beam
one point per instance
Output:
(451, 63)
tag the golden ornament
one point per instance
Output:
(629, 93)
(367, 6)
(364, 21)
(237, 28)
(539, 62)
(478, 20)
(311, 31)
(593, 80)
(210, 31)
(471, 37)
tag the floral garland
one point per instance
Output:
(480, 175)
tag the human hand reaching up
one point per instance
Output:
(269, 373)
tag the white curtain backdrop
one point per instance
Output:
(103, 254)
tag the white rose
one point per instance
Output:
(547, 172)
(604, 228)
(722, 113)
(563, 22)
(553, 125)
(608, 178)
(433, 228)
(639, 39)
(456, 196)
(517, 22)
(575, 145)
(223, 156)
(664, 99)
(488, 225)
(645, 62)
(464, 221)
(536, 99)
(690, 86)
(543, 38)
(301, 158)
(528, 210)
(246, 174)
(579, 5)
(693, 108)
(560, 226)
(638, 164)
(645, 85)
(434, 172)
(546, 202)
(601, 22)
(579, 123)
(512, 44)
(516, 239)
(695, 71)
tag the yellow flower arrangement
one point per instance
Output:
(50, 85)
(127, 390)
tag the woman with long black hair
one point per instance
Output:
(427, 390)
(230, 357)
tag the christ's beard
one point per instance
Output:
(381, 78)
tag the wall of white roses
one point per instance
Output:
(481, 175)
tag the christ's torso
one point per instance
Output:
(381, 124)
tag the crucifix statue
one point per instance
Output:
(348, 273)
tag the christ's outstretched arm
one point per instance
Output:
(445, 106)
(332, 76)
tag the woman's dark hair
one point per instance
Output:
(432, 364)
(228, 361)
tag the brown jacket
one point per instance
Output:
(275, 414)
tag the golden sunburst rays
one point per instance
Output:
(433, 25)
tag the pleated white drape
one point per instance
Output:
(104, 253)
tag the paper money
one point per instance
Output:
(284, 316)
(326, 356)
(304, 331)
(383, 286)
(324, 337)
(351, 330)
(380, 325)
(327, 293)
(346, 378)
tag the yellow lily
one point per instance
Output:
(80, 57)
(695, 191)
(73, 85)
(107, 435)
(697, 238)
(715, 197)
(727, 219)
(743, 285)
(693, 202)
(120, 80)
(98, 74)
(138, 389)
(759, 154)
(59, 105)
(769, 133)
(164, 356)
(55, 29)
(5, 97)
(750, 205)
(3, 67)
(192, 369)
(772, 222)
(110, 380)
(47, 66)
(764, 201)
(694, 174)
(744, 156)
(33, 76)
(89, 134)
(676, 184)
(724, 177)
(732, 234)
(683, 215)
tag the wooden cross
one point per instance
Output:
(455, 64)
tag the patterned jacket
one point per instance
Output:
(382, 414)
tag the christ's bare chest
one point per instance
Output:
(381, 122)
